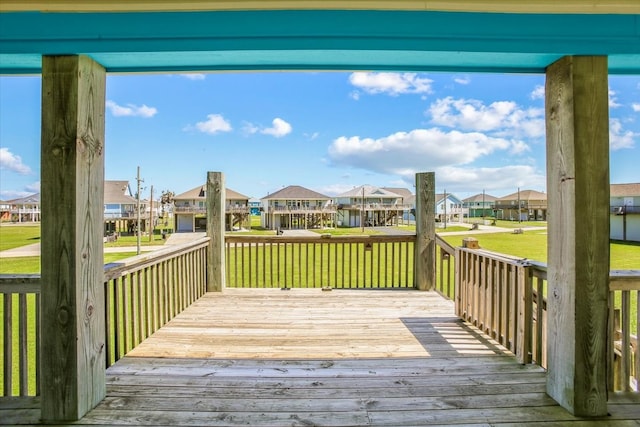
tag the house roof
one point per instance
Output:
(369, 191)
(479, 197)
(117, 192)
(403, 192)
(525, 195)
(33, 199)
(440, 197)
(625, 190)
(199, 192)
(296, 192)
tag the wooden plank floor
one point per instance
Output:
(308, 357)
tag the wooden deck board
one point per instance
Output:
(307, 357)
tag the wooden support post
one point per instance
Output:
(577, 121)
(425, 247)
(72, 364)
(215, 230)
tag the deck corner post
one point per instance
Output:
(425, 246)
(577, 129)
(215, 231)
(72, 360)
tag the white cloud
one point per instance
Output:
(500, 180)
(355, 95)
(392, 84)
(635, 107)
(215, 123)
(613, 100)
(537, 93)
(10, 161)
(131, 110)
(462, 80)
(279, 129)
(519, 147)
(505, 118)
(249, 128)
(193, 76)
(33, 188)
(419, 149)
(312, 136)
(618, 137)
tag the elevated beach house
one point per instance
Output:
(370, 206)
(523, 205)
(190, 210)
(625, 212)
(297, 207)
(480, 205)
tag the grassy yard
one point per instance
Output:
(14, 236)
(348, 231)
(31, 265)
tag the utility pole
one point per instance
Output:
(138, 212)
(362, 211)
(519, 207)
(445, 208)
(483, 213)
(151, 215)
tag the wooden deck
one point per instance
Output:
(309, 357)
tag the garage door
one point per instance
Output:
(185, 223)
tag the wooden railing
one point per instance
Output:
(624, 355)
(144, 292)
(505, 298)
(20, 296)
(445, 268)
(320, 262)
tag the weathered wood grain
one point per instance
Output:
(425, 246)
(578, 272)
(72, 157)
(215, 231)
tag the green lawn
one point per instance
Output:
(348, 231)
(31, 265)
(133, 241)
(14, 236)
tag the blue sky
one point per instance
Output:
(328, 131)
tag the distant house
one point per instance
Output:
(480, 205)
(296, 207)
(190, 210)
(120, 208)
(374, 205)
(533, 206)
(254, 206)
(5, 211)
(449, 208)
(25, 209)
(625, 212)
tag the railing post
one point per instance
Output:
(425, 246)
(73, 336)
(577, 130)
(525, 314)
(215, 230)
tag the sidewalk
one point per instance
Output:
(174, 239)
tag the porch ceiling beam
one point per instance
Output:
(318, 39)
(577, 122)
(501, 6)
(72, 363)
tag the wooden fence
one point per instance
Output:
(505, 298)
(142, 293)
(320, 262)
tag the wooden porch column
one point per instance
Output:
(425, 247)
(577, 118)
(215, 230)
(72, 365)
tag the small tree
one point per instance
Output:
(166, 199)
